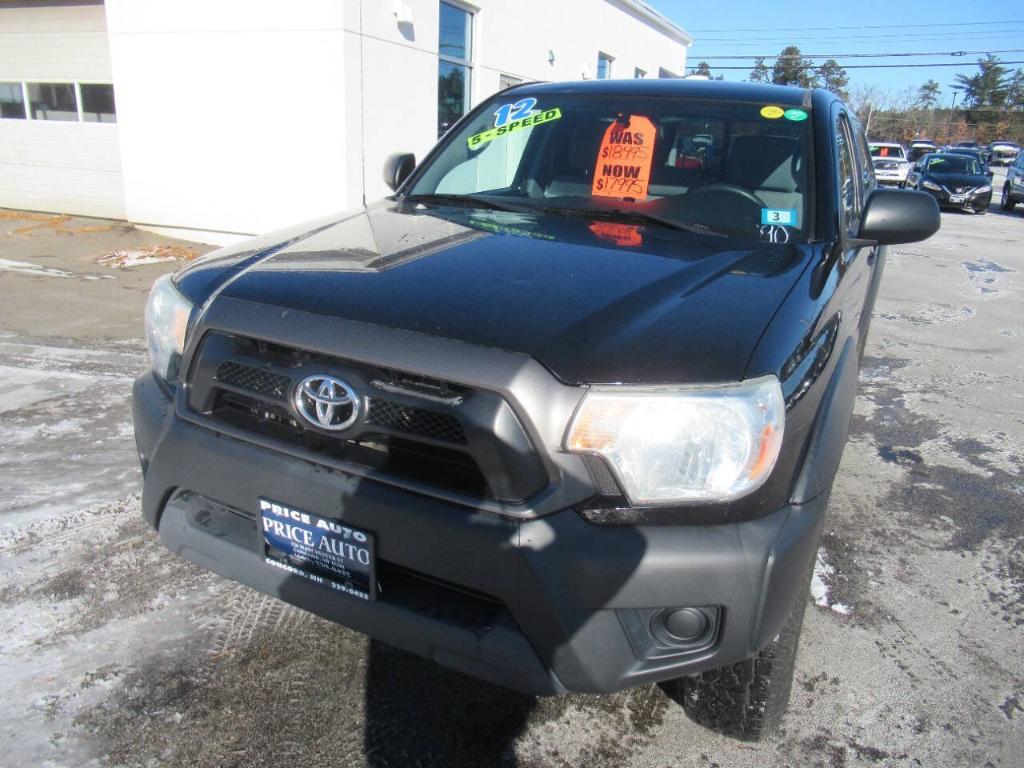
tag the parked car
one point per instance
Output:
(977, 154)
(921, 147)
(1013, 187)
(890, 163)
(557, 414)
(1003, 153)
(954, 180)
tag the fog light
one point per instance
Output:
(686, 624)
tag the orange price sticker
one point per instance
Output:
(624, 158)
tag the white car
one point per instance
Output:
(1003, 153)
(891, 163)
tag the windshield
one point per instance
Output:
(954, 164)
(894, 152)
(732, 168)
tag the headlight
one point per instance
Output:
(931, 185)
(675, 445)
(167, 314)
(982, 190)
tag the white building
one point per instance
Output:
(239, 116)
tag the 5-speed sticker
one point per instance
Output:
(541, 117)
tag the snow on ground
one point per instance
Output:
(823, 575)
(25, 267)
(66, 425)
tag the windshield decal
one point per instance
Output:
(624, 158)
(781, 216)
(772, 112)
(492, 133)
(796, 115)
(506, 113)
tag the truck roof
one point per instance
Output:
(678, 88)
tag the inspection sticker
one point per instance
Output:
(526, 122)
(796, 115)
(784, 216)
(772, 113)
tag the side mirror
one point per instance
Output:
(894, 216)
(397, 169)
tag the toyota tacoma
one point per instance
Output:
(562, 413)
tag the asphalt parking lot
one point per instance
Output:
(115, 652)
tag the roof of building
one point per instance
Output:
(655, 19)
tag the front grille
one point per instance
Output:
(257, 380)
(426, 430)
(416, 421)
(445, 468)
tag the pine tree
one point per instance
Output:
(791, 68)
(834, 77)
(760, 73)
(928, 95)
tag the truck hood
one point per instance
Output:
(593, 301)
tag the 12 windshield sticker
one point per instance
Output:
(512, 117)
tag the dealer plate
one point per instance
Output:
(956, 198)
(321, 550)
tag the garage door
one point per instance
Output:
(59, 146)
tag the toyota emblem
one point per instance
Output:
(326, 402)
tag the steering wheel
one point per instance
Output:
(732, 189)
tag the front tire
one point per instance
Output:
(1007, 203)
(746, 700)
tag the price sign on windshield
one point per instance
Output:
(624, 159)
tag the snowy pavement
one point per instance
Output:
(115, 652)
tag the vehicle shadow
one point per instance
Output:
(420, 713)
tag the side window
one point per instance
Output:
(867, 168)
(849, 192)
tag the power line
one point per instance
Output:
(878, 26)
(860, 55)
(832, 38)
(895, 66)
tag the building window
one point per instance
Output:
(604, 66)
(639, 74)
(70, 102)
(52, 101)
(98, 103)
(12, 101)
(455, 66)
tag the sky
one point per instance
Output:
(832, 27)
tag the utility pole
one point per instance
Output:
(949, 120)
(867, 127)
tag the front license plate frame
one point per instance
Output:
(316, 548)
(957, 199)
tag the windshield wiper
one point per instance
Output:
(636, 215)
(466, 201)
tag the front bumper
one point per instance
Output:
(972, 201)
(542, 606)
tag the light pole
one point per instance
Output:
(949, 121)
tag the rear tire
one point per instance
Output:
(1007, 203)
(746, 700)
